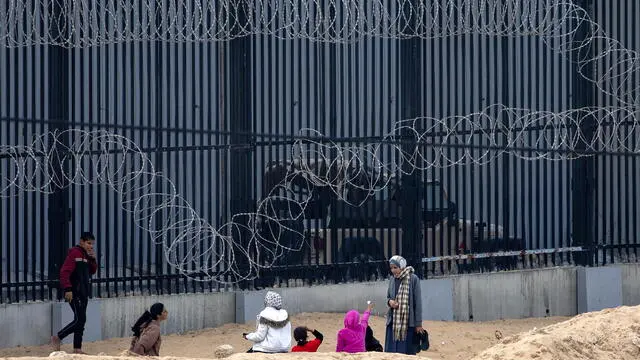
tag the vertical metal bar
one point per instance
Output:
(29, 199)
(442, 113)
(239, 120)
(103, 88)
(211, 120)
(329, 86)
(59, 111)
(12, 221)
(462, 205)
(174, 140)
(627, 23)
(93, 113)
(301, 77)
(622, 234)
(144, 77)
(278, 94)
(44, 274)
(551, 231)
(611, 238)
(13, 214)
(181, 84)
(37, 213)
(475, 86)
(583, 205)
(493, 201)
(541, 166)
(506, 158)
(128, 227)
(90, 189)
(112, 115)
(4, 76)
(200, 140)
(159, 71)
(534, 51)
(220, 117)
(527, 231)
(112, 228)
(73, 122)
(634, 144)
(479, 222)
(290, 111)
(558, 203)
(361, 130)
(410, 58)
(212, 93)
(78, 207)
(453, 190)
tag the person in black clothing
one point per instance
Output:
(75, 276)
(370, 342)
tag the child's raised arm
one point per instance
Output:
(365, 317)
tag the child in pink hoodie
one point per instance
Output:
(351, 338)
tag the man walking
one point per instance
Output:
(75, 276)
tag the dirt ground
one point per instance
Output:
(449, 340)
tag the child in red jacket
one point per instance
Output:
(75, 276)
(300, 335)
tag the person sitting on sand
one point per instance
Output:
(370, 342)
(300, 335)
(273, 329)
(351, 337)
(146, 331)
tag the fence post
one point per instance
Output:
(239, 122)
(58, 103)
(410, 76)
(583, 168)
(505, 43)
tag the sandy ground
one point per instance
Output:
(611, 334)
(449, 340)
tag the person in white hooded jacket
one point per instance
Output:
(273, 330)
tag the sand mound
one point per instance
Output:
(608, 334)
(223, 351)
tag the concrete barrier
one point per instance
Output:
(25, 324)
(61, 315)
(323, 298)
(34, 323)
(186, 312)
(599, 288)
(436, 298)
(515, 294)
(479, 297)
(630, 274)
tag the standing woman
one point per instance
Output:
(146, 331)
(404, 318)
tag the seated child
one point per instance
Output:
(351, 337)
(273, 330)
(300, 335)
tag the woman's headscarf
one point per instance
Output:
(273, 299)
(398, 261)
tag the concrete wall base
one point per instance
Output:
(599, 288)
(517, 294)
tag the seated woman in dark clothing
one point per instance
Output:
(370, 342)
